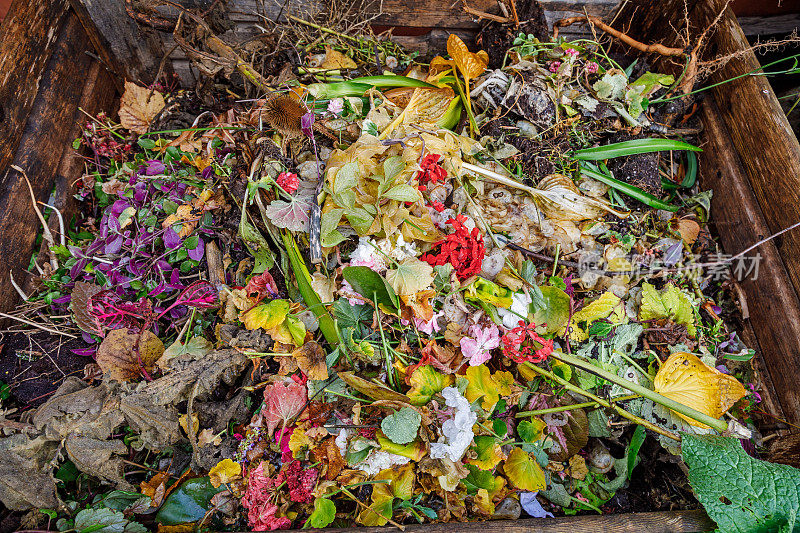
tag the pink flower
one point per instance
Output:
(477, 347)
(591, 67)
(430, 327)
(572, 52)
(554, 66)
(336, 106)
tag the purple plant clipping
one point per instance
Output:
(155, 167)
(171, 238)
(198, 252)
(208, 172)
(307, 124)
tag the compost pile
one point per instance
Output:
(446, 292)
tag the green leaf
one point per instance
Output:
(323, 514)
(740, 493)
(530, 431)
(106, 521)
(555, 312)
(351, 316)
(371, 286)
(611, 85)
(392, 168)
(189, 503)
(633, 147)
(650, 82)
(402, 193)
(346, 178)
(671, 303)
(329, 235)
(401, 427)
(631, 190)
(637, 439)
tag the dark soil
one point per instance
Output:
(35, 364)
(496, 38)
(640, 170)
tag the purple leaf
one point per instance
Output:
(532, 506)
(198, 253)
(114, 244)
(171, 238)
(307, 124)
(155, 167)
(208, 172)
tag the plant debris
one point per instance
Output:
(459, 289)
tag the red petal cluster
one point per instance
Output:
(301, 482)
(430, 171)
(288, 181)
(463, 249)
(516, 348)
(258, 500)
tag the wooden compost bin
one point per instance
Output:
(61, 58)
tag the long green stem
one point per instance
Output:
(685, 410)
(605, 403)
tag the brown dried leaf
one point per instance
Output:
(121, 351)
(336, 60)
(310, 359)
(79, 304)
(156, 488)
(138, 107)
(370, 389)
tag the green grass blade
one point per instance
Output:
(358, 86)
(326, 323)
(636, 146)
(631, 190)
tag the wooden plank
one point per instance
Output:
(658, 522)
(27, 38)
(45, 137)
(99, 94)
(771, 300)
(131, 50)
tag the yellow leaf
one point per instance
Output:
(471, 65)
(600, 308)
(266, 316)
(427, 106)
(484, 503)
(425, 382)
(504, 381)
(336, 60)
(299, 440)
(687, 380)
(481, 385)
(138, 107)
(488, 452)
(224, 472)
(410, 276)
(183, 420)
(524, 472)
(311, 360)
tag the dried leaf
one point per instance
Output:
(139, 107)
(688, 230)
(291, 215)
(370, 389)
(155, 488)
(686, 379)
(410, 276)
(123, 356)
(81, 294)
(559, 199)
(336, 60)
(470, 64)
(427, 105)
(310, 359)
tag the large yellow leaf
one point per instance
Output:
(470, 64)
(336, 60)
(524, 472)
(686, 379)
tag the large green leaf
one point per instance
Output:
(740, 493)
(372, 286)
(189, 503)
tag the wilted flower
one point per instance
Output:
(591, 67)
(476, 348)
(554, 66)
(457, 432)
(288, 181)
(336, 106)
(572, 52)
